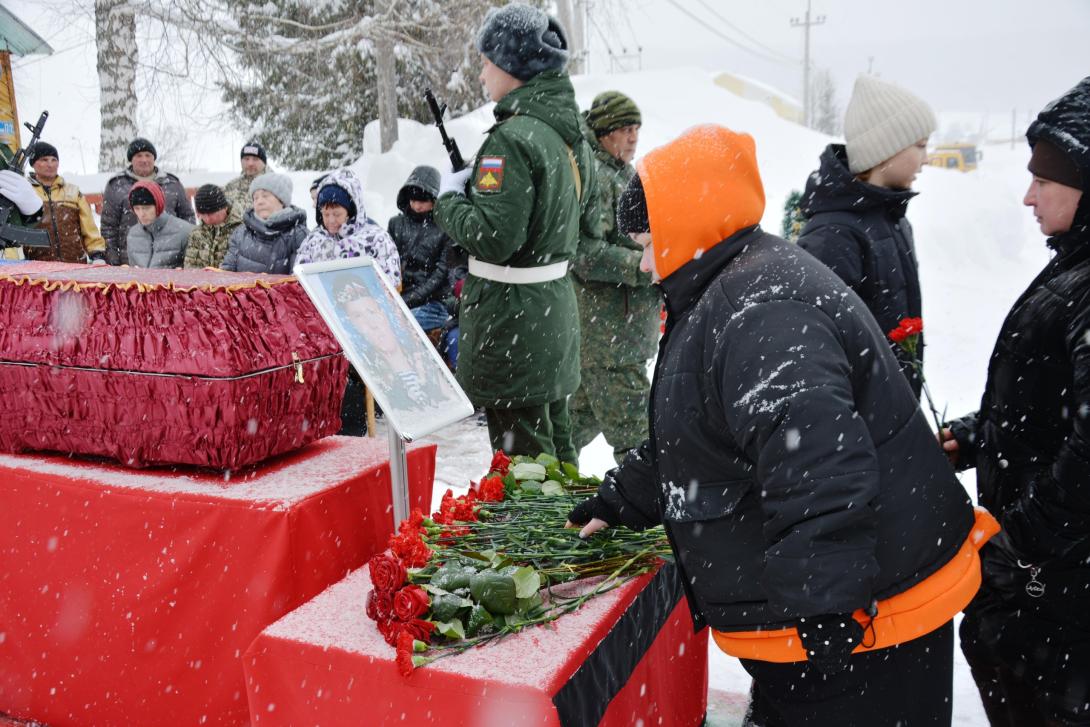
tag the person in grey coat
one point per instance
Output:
(269, 237)
(117, 215)
(158, 239)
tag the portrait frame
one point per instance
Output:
(398, 363)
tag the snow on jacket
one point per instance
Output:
(266, 246)
(358, 237)
(118, 217)
(161, 244)
(66, 216)
(421, 244)
(860, 231)
(788, 459)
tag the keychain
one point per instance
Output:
(1034, 588)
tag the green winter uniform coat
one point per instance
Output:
(618, 306)
(208, 243)
(519, 343)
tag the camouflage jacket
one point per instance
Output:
(238, 193)
(618, 305)
(208, 243)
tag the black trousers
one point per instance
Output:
(907, 685)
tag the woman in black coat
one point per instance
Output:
(1026, 635)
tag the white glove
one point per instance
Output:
(18, 190)
(98, 261)
(454, 181)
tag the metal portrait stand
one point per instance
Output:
(399, 476)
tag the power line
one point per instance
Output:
(746, 35)
(726, 37)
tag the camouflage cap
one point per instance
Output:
(612, 110)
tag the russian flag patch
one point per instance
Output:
(490, 174)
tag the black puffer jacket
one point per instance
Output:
(788, 459)
(860, 231)
(1030, 444)
(421, 244)
(266, 246)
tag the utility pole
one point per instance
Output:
(806, 24)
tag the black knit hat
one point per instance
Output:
(141, 196)
(210, 198)
(42, 149)
(1048, 161)
(140, 144)
(253, 149)
(632, 209)
(523, 40)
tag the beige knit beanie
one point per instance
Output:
(881, 120)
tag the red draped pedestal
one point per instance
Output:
(128, 598)
(627, 657)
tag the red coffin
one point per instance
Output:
(158, 367)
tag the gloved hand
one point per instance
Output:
(829, 640)
(98, 261)
(594, 513)
(16, 188)
(454, 181)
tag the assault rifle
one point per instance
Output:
(456, 161)
(12, 235)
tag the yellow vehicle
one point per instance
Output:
(963, 157)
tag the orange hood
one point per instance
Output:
(700, 188)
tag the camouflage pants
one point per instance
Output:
(532, 430)
(611, 401)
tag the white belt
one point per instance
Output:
(517, 276)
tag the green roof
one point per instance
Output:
(17, 37)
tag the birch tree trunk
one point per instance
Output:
(115, 36)
(386, 84)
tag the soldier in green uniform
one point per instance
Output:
(529, 193)
(618, 306)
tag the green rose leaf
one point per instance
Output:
(530, 485)
(528, 471)
(494, 591)
(452, 577)
(445, 607)
(479, 618)
(451, 629)
(570, 470)
(525, 605)
(546, 460)
(552, 488)
(527, 582)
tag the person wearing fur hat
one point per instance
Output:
(518, 212)
(423, 248)
(117, 216)
(618, 306)
(271, 232)
(855, 205)
(1026, 636)
(67, 218)
(254, 163)
(345, 231)
(817, 528)
(219, 217)
(158, 239)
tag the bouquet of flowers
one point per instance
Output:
(485, 564)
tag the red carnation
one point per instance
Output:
(912, 326)
(411, 602)
(387, 573)
(898, 335)
(491, 489)
(501, 463)
(380, 605)
(413, 524)
(389, 630)
(405, 653)
(410, 549)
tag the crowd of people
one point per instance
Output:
(818, 525)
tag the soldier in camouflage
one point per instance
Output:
(618, 306)
(253, 164)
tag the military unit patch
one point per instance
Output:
(490, 174)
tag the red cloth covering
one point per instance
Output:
(326, 663)
(128, 598)
(82, 349)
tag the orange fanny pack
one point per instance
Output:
(908, 615)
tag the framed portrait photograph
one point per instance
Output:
(398, 364)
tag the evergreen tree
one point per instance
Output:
(792, 216)
(308, 81)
